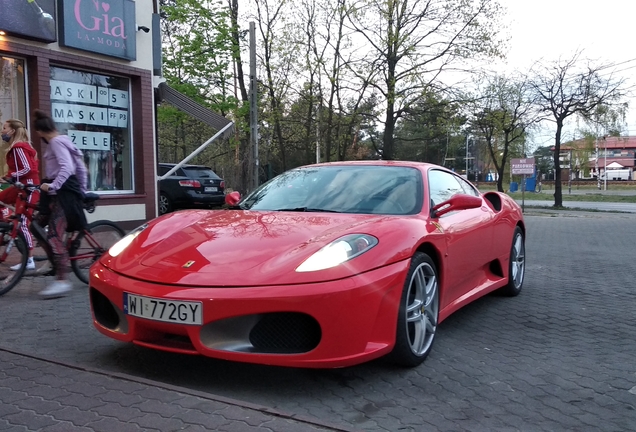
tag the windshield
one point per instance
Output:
(344, 189)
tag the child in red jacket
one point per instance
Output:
(22, 160)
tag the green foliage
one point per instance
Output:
(197, 50)
(197, 61)
(544, 159)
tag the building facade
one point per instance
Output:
(614, 157)
(94, 66)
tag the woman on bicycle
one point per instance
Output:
(22, 160)
(64, 184)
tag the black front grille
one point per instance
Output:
(104, 312)
(285, 333)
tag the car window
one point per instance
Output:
(163, 170)
(200, 172)
(443, 186)
(391, 190)
(469, 189)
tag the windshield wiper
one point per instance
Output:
(307, 209)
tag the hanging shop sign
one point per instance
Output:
(31, 19)
(104, 27)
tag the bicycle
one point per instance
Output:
(85, 247)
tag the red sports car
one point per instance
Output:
(327, 265)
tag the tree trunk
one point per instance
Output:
(244, 173)
(558, 194)
(389, 129)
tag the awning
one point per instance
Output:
(195, 109)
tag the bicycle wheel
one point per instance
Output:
(13, 252)
(90, 244)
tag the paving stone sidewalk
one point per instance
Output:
(44, 395)
(560, 357)
(57, 394)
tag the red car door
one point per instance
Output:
(469, 238)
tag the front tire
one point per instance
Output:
(517, 265)
(418, 313)
(13, 252)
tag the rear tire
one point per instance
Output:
(17, 252)
(418, 313)
(86, 250)
(516, 266)
(165, 205)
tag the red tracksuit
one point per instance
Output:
(23, 167)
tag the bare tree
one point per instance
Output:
(277, 60)
(503, 111)
(573, 87)
(314, 57)
(410, 42)
(243, 173)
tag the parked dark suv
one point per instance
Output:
(191, 186)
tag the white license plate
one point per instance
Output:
(173, 311)
(211, 189)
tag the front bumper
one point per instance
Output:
(321, 325)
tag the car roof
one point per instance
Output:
(170, 165)
(379, 163)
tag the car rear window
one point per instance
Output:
(196, 173)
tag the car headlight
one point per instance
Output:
(338, 251)
(122, 244)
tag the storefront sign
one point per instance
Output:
(31, 19)
(90, 140)
(104, 27)
(71, 113)
(83, 104)
(94, 111)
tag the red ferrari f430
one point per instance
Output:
(327, 265)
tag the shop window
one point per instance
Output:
(12, 99)
(94, 111)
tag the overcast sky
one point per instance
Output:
(549, 29)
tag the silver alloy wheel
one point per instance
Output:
(164, 204)
(518, 261)
(422, 309)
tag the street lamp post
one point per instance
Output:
(570, 172)
(596, 167)
(466, 157)
(605, 166)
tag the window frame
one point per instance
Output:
(130, 127)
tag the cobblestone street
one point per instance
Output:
(560, 357)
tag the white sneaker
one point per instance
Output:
(30, 266)
(58, 288)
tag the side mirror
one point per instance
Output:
(232, 198)
(457, 202)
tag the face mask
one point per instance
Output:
(6, 137)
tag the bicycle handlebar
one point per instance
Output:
(88, 201)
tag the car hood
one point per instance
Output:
(249, 248)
